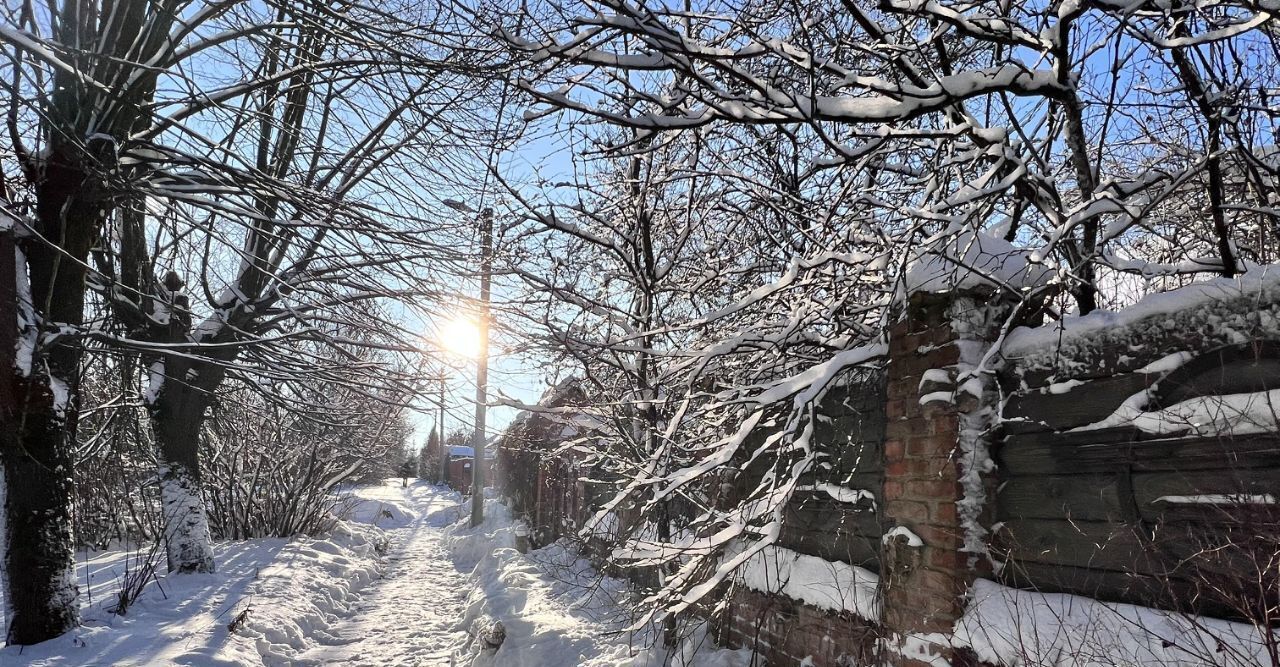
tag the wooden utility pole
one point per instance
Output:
(443, 474)
(482, 369)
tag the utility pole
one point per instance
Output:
(443, 473)
(482, 369)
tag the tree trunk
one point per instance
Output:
(39, 421)
(35, 487)
(177, 413)
(41, 586)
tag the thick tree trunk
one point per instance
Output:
(39, 421)
(35, 489)
(177, 413)
(40, 561)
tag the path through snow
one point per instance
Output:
(408, 617)
(341, 599)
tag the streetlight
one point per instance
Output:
(481, 356)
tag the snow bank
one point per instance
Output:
(557, 610)
(310, 589)
(1006, 626)
(384, 510)
(283, 596)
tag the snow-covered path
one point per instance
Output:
(408, 617)
(342, 599)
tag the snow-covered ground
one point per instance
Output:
(556, 609)
(398, 582)
(410, 617)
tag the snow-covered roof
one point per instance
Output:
(973, 259)
(466, 450)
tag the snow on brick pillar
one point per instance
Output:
(936, 467)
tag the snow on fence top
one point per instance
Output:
(973, 259)
(1006, 626)
(831, 585)
(1221, 311)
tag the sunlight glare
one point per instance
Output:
(461, 336)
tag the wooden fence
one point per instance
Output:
(1096, 490)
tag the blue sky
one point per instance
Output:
(511, 377)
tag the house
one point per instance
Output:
(458, 473)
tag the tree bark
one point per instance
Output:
(35, 491)
(177, 413)
(39, 421)
(41, 590)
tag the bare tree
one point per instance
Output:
(273, 467)
(277, 169)
(1016, 109)
(871, 136)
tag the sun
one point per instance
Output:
(461, 336)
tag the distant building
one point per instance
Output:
(458, 472)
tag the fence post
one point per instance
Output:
(937, 469)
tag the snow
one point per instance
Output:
(935, 376)
(187, 538)
(557, 610)
(937, 397)
(1261, 285)
(1219, 499)
(844, 494)
(1006, 626)
(61, 395)
(1166, 364)
(1063, 387)
(972, 321)
(410, 616)
(912, 539)
(28, 332)
(922, 647)
(603, 526)
(1229, 414)
(38, 47)
(291, 594)
(831, 585)
(970, 259)
(155, 381)
(814, 380)
(397, 582)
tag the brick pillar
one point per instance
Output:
(933, 428)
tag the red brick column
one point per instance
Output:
(924, 573)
